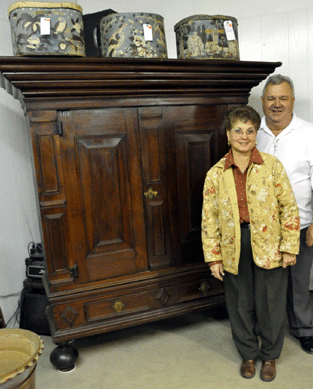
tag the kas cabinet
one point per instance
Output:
(121, 148)
(120, 189)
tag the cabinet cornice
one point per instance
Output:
(37, 79)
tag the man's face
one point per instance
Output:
(278, 104)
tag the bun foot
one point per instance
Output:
(64, 357)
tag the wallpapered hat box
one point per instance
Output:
(137, 35)
(207, 37)
(43, 28)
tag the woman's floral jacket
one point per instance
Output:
(274, 217)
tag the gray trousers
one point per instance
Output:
(299, 302)
(256, 297)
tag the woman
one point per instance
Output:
(250, 234)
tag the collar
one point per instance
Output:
(293, 125)
(255, 157)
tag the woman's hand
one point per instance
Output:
(289, 259)
(217, 271)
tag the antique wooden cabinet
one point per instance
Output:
(121, 148)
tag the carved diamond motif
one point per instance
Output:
(162, 296)
(69, 315)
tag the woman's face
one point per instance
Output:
(242, 137)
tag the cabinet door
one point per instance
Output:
(195, 141)
(103, 186)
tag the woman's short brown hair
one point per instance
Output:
(243, 113)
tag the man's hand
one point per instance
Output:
(217, 271)
(289, 259)
(309, 236)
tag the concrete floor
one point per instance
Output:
(194, 351)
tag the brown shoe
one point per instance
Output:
(247, 369)
(268, 371)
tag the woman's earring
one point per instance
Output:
(228, 143)
(256, 142)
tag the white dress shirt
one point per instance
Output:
(294, 148)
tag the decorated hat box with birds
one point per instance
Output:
(44, 28)
(133, 34)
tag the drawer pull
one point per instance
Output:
(118, 306)
(204, 287)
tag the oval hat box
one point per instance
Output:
(42, 28)
(207, 37)
(136, 35)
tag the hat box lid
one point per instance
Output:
(38, 4)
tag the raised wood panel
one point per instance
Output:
(152, 145)
(48, 163)
(154, 162)
(57, 249)
(50, 184)
(194, 153)
(104, 179)
(158, 239)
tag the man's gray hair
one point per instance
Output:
(277, 79)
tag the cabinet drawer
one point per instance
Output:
(199, 289)
(108, 308)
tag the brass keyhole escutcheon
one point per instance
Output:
(150, 193)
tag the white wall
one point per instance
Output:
(268, 31)
(19, 219)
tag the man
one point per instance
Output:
(290, 139)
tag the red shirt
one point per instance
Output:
(240, 181)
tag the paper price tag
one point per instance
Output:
(228, 26)
(147, 31)
(44, 26)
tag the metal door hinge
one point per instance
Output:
(74, 271)
(58, 128)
